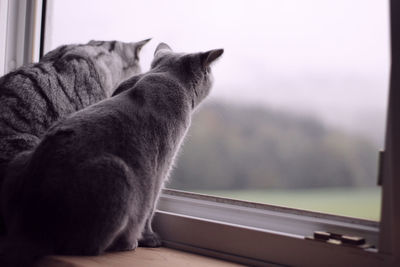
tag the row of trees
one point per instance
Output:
(243, 147)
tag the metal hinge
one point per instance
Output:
(381, 158)
(339, 239)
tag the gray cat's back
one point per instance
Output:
(92, 183)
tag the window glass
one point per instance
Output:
(296, 116)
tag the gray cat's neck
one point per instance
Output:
(163, 93)
(187, 84)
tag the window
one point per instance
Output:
(296, 116)
(257, 233)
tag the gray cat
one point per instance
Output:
(92, 183)
(65, 80)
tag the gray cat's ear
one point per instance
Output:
(139, 45)
(210, 56)
(162, 47)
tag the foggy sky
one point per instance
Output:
(325, 58)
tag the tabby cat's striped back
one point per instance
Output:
(65, 80)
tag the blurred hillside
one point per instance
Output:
(243, 147)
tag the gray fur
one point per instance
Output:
(92, 183)
(65, 80)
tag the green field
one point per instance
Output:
(360, 202)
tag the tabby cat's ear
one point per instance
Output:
(210, 56)
(162, 47)
(139, 45)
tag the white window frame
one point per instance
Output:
(244, 232)
(260, 234)
(20, 33)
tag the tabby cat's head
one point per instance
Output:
(119, 58)
(114, 61)
(120, 55)
(193, 69)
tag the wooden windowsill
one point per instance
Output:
(151, 257)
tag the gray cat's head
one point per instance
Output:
(116, 61)
(194, 69)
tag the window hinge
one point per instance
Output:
(339, 239)
(381, 158)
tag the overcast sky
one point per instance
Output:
(326, 58)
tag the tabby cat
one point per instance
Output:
(92, 183)
(65, 80)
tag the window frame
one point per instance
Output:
(389, 242)
(258, 234)
(20, 33)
